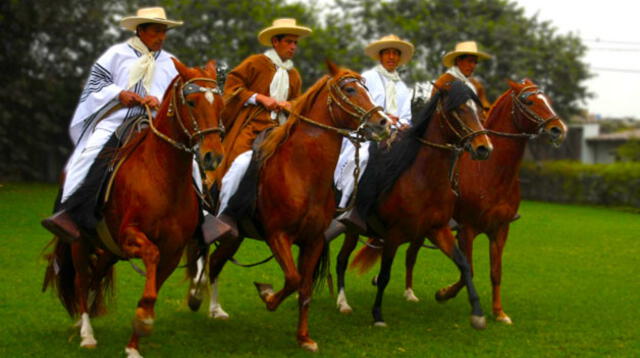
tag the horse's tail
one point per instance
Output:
(60, 274)
(367, 256)
(322, 268)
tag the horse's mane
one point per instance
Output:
(300, 105)
(386, 166)
(491, 118)
(135, 141)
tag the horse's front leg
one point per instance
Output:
(466, 235)
(349, 244)
(80, 257)
(308, 263)
(281, 248)
(196, 263)
(388, 254)
(497, 241)
(443, 238)
(410, 262)
(136, 244)
(228, 247)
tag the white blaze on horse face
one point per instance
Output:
(544, 99)
(209, 96)
(474, 107)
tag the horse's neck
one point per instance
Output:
(434, 163)
(508, 151)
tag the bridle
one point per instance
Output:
(195, 135)
(527, 113)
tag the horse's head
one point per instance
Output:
(461, 118)
(197, 103)
(351, 106)
(533, 113)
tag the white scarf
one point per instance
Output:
(143, 68)
(390, 92)
(279, 88)
(455, 72)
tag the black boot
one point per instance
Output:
(352, 220)
(62, 225)
(335, 228)
(218, 227)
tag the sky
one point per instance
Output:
(608, 30)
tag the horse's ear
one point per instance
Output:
(211, 68)
(180, 67)
(514, 85)
(332, 67)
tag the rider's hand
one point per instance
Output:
(150, 101)
(129, 99)
(285, 105)
(268, 102)
(395, 119)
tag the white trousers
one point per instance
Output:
(233, 176)
(343, 175)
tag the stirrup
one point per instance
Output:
(334, 230)
(352, 220)
(218, 228)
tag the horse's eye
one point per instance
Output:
(191, 103)
(524, 98)
(350, 90)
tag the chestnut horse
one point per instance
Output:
(153, 209)
(406, 192)
(294, 199)
(490, 191)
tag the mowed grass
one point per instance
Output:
(571, 284)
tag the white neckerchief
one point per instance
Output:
(279, 88)
(390, 92)
(143, 68)
(455, 72)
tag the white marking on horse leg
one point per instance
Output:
(410, 296)
(215, 309)
(86, 332)
(342, 303)
(199, 283)
(132, 353)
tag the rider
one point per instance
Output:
(461, 62)
(389, 92)
(255, 93)
(123, 80)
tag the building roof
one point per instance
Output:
(616, 137)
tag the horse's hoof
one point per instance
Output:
(89, 343)
(410, 296)
(374, 280)
(132, 353)
(311, 346)
(345, 308)
(503, 318)
(218, 313)
(265, 290)
(380, 324)
(194, 303)
(478, 322)
(442, 295)
(142, 327)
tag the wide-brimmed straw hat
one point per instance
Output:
(281, 27)
(146, 15)
(464, 48)
(390, 41)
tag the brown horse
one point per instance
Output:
(406, 192)
(153, 208)
(294, 199)
(490, 191)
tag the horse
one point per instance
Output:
(153, 209)
(406, 192)
(490, 191)
(289, 186)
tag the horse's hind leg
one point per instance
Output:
(410, 262)
(445, 241)
(80, 254)
(217, 260)
(281, 249)
(307, 263)
(466, 235)
(198, 286)
(349, 244)
(497, 242)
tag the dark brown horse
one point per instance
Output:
(152, 210)
(406, 192)
(294, 201)
(490, 191)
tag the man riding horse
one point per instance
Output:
(255, 94)
(125, 79)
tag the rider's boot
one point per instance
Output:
(352, 220)
(62, 225)
(218, 227)
(335, 228)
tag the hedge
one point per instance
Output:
(616, 184)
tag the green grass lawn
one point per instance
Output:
(571, 284)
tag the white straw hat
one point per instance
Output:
(464, 48)
(146, 15)
(390, 41)
(282, 26)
